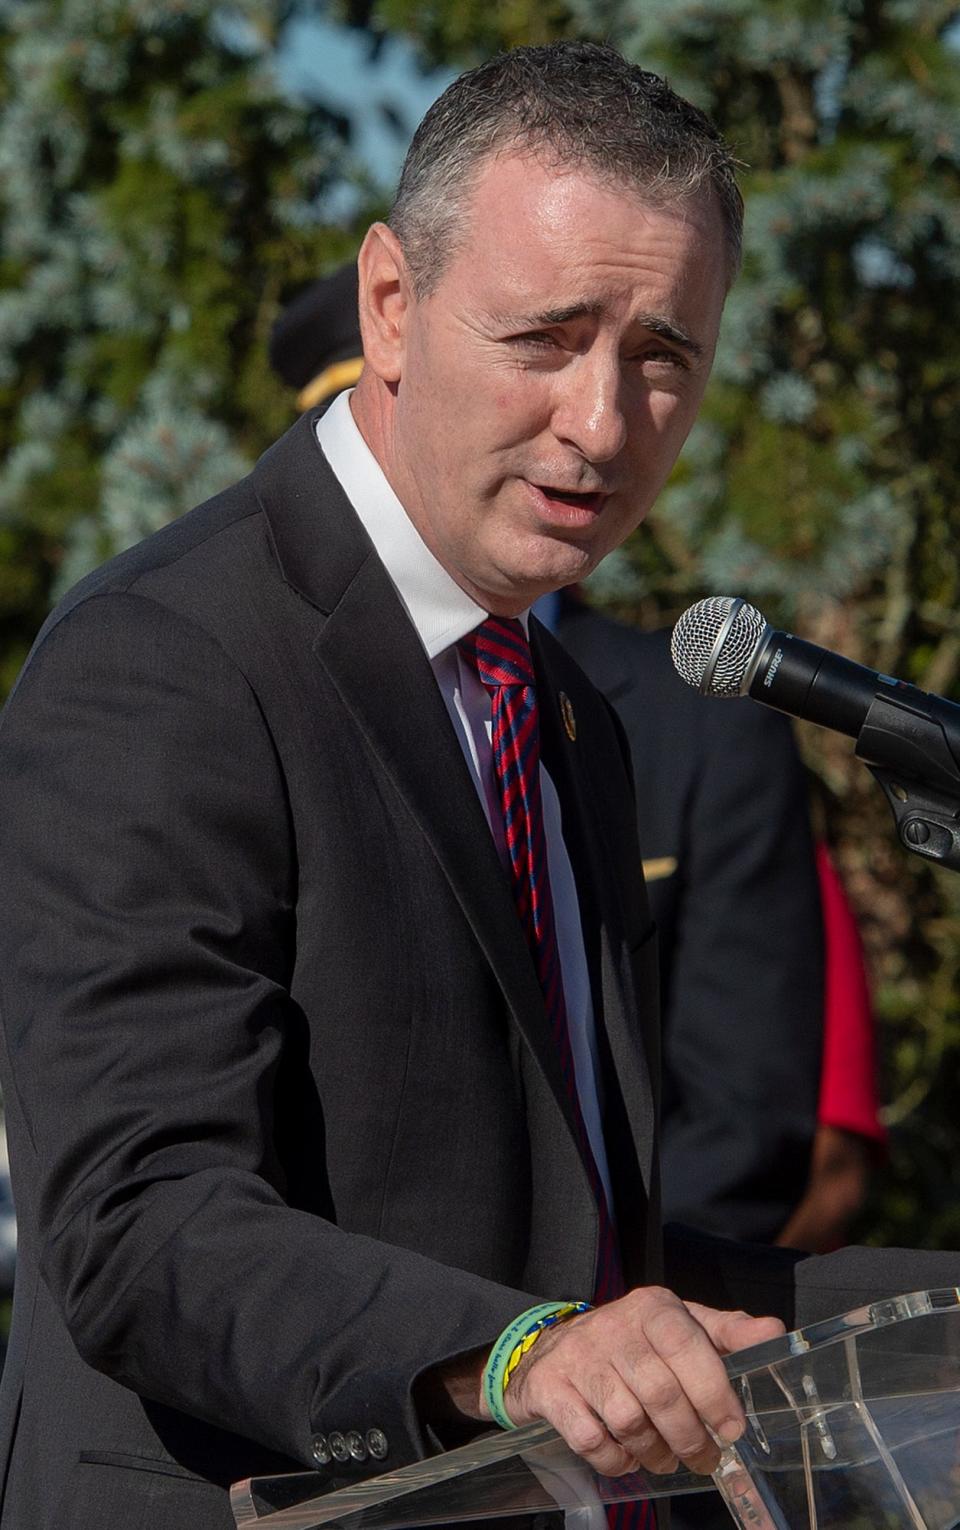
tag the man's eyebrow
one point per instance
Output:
(573, 311)
(655, 323)
(667, 331)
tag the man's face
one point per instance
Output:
(547, 384)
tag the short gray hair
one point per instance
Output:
(578, 104)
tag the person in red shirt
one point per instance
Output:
(850, 1137)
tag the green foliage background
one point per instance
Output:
(158, 199)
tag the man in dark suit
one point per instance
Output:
(293, 1133)
(725, 835)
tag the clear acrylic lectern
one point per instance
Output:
(852, 1424)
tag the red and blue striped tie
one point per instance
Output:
(499, 653)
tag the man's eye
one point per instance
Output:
(664, 357)
(535, 340)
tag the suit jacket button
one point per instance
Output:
(338, 1446)
(320, 1450)
(354, 1442)
(377, 1444)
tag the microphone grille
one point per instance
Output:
(714, 642)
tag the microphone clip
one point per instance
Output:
(919, 774)
(927, 818)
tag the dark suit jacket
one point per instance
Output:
(724, 831)
(286, 1123)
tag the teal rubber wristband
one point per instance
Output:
(494, 1372)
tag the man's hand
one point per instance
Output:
(638, 1382)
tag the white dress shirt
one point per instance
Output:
(442, 613)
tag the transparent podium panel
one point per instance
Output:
(852, 1424)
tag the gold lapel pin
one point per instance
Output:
(569, 721)
(661, 866)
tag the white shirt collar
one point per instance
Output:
(440, 610)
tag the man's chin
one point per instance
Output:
(568, 564)
(519, 591)
(514, 571)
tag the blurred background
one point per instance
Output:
(173, 171)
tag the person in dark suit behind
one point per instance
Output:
(728, 854)
(729, 864)
(760, 956)
(315, 1092)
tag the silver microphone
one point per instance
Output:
(716, 643)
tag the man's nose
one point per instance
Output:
(588, 410)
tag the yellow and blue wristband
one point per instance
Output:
(517, 1339)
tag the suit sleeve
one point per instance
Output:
(145, 969)
(743, 1021)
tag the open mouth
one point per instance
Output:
(577, 499)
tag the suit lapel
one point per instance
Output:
(378, 666)
(587, 838)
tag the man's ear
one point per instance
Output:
(385, 297)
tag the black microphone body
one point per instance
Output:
(810, 682)
(896, 725)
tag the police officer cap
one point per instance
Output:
(317, 336)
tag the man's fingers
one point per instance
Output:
(616, 1435)
(736, 1330)
(587, 1434)
(580, 1411)
(675, 1369)
(668, 1429)
(629, 1423)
